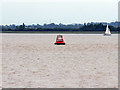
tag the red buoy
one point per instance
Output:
(59, 40)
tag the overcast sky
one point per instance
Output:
(58, 11)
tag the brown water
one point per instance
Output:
(86, 61)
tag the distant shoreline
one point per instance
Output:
(55, 32)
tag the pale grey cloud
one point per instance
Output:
(64, 11)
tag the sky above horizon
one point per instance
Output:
(58, 11)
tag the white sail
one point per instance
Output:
(107, 32)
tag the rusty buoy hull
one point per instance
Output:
(59, 43)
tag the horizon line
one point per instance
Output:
(62, 23)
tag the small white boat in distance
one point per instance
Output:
(107, 32)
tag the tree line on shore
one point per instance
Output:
(84, 27)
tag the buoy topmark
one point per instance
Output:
(59, 40)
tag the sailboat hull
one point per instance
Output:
(107, 34)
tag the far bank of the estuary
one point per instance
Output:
(62, 32)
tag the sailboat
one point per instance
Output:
(107, 32)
